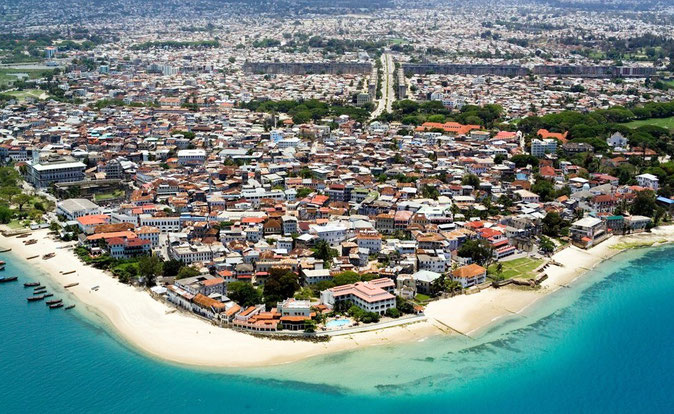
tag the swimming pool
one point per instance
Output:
(337, 323)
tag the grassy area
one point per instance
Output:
(420, 297)
(108, 196)
(661, 122)
(397, 41)
(28, 93)
(8, 75)
(521, 268)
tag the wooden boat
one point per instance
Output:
(8, 279)
(35, 298)
(40, 288)
(2, 262)
(69, 307)
(31, 284)
(48, 256)
(5, 250)
(68, 273)
(2, 267)
(32, 257)
(56, 306)
(48, 295)
(53, 301)
(21, 236)
(69, 285)
(29, 242)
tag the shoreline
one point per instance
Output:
(150, 326)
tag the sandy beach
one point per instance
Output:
(156, 329)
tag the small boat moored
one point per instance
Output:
(69, 285)
(48, 256)
(56, 306)
(54, 301)
(8, 279)
(34, 298)
(69, 307)
(31, 284)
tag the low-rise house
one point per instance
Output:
(469, 275)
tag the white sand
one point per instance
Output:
(157, 330)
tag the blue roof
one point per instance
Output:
(665, 200)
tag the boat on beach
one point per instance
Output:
(48, 256)
(21, 236)
(69, 273)
(32, 257)
(35, 298)
(69, 285)
(8, 279)
(29, 242)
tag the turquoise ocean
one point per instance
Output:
(604, 345)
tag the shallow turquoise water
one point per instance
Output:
(606, 345)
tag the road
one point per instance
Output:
(388, 94)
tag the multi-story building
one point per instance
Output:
(373, 296)
(648, 181)
(124, 248)
(470, 275)
(42, 173)
(191, 157)
(540, 147)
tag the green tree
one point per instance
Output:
(280, 285)
(243, 293)
(644, 204)
(187, 271)
(471, 180)
(480, 251)
(346, 278)
(149, 267)
(21, 200)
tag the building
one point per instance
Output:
(617, 140)
(42, 173)
(648, 181)
(206, 285)
(540, 147)
(424, 279)
(124, 248)
(165, 224)
(73, 208)
(150, 234)
(191, 157)
(588, 231)
(313, 276)
(191, 253)
(370, 241)
(373, 296)
(294, 314)
(470, 275)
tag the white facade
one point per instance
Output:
(540, 147)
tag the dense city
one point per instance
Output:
(310, 172)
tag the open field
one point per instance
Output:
(28, 93)
(523, 267)
(9, 75)
(661, 122)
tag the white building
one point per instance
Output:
(73, 208)
(331, 233)
(617, 140)
(164, 224)
(42, 173)
(648, 181)
(540, 147)
(191, 157)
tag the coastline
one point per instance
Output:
(150, 326)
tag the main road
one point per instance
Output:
(387, 92)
